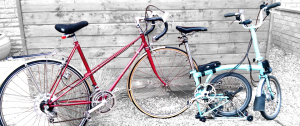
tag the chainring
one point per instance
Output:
(205, 93)
(99, 97)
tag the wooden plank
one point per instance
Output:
(83, 5)
(122, 40)
(225, 48)
(94, 17)
(216, 48)
(94, 53)
(129, 28)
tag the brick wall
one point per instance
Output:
(9, 24)
(286, 26)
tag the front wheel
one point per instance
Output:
(272, 104)
(150, 95)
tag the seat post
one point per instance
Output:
(187, 48)
(74, 38)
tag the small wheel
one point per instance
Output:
(202, 119)
(150, 95)
(231, 83)
(250, 118)
(272, 105)
(197, 116)
(246, 113)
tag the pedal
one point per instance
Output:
(250, 118)
(87, 115)
(202, 119)
(197, 116)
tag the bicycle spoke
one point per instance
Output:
(150, 95)
(34, 80)
(35, 120)
(17, 93)
(158, 66)
(27, 89)
(24, 117)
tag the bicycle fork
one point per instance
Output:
(259, 102)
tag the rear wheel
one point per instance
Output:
(231, 83)
(24, 91)
(150, 95)
(272, 105)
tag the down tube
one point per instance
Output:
(128, 65)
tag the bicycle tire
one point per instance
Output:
(162, 102)
(267, 114)
(25, 95)
(229, 109)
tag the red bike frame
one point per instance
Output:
(90, 72)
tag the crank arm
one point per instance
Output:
(98, 106)
(240, 89)
(232, 94)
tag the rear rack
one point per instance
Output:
(32, 55)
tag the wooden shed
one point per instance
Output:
(111, 26)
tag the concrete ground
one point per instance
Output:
(285, 68)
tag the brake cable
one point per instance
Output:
(146, 15)
(246, 55)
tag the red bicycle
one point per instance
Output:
(49, 92)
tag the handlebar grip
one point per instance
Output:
(273, 5)
(163, 33)
(229, 15)
(246, 22)
(154, 19)
(152, 28)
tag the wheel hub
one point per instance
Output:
(268, 97)
(40, 104)
(43, 106)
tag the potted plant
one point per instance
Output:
(5, 46)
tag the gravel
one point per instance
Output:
(285, 68)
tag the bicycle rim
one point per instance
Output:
(147, 92)
(24, 91)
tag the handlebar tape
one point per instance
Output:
(229, 15)
(152, 28)
(163, 33)
(273, 5)
(246, 22)
(154, 19)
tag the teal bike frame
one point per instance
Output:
(262, 76)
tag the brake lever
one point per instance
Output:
(263, 5)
